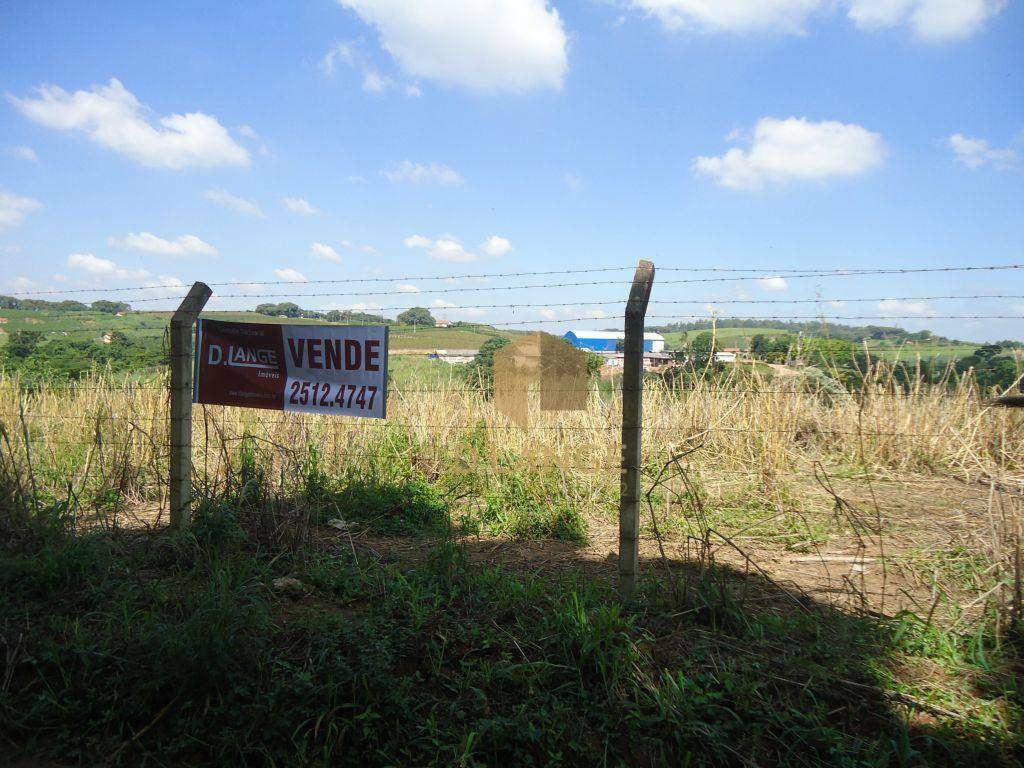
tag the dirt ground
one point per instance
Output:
(926, 545)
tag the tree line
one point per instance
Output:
(101, 305)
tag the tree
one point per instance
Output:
(284, 309)
(702, 349)
(418, 316)
(22, 344)
(760, 346)
(110, 307)
(480, 372)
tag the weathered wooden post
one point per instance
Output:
(181, 402)
(632, 417)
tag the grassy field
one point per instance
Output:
(726, 337)
(92, 325)
(827, 579)
(82, 325)
(935, 352)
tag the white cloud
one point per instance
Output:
(495, 246)
(785, 16)
(406, 288)
(164, 284)
(773, 283)
(445, 248)
(111, 116)
(344, 53)
(349, 54)
(417, 241)
(299, 205)
(547, 314)
(975, 153)
(496, 45)
(250, 133)
(237, 204)
(356, 179)
(98, 267)
(14, 209)
(22, 283)
(418, 173)
(367, 249)
(25, 153)
(290, 275)
(324, 251)
(413, 91)
(595, 314)
(897, 307)
(185, 245)
(795, 149)
(375, 82)
(442, 304)
(929, 20)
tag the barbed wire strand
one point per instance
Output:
(761, 274)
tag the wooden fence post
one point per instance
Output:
(181, 402)
(632, 417)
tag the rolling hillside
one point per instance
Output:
(90, 326)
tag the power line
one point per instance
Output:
(761, 274)
(608, 302)
(338, 280)
(837, 317)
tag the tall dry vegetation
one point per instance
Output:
(106, 438)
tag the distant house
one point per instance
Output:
(652, 361)
(611, 341)
(120, 314)
(454, 355)
(3, 320)
(730, 355)
(442, 323)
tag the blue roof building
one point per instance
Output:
(611, 341)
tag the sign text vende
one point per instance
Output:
(302, 368)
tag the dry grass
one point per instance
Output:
(848, 482)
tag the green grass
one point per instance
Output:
(726, 337)
(132, 648)
(740, 337)
(407, 337)
(92, 325)
(83, 326)
(910, 352)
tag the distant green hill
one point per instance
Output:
(888, 342)
(89, 326)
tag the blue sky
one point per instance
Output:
(145, 144)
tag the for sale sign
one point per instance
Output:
(305, 368)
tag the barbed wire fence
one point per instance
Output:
(108, 437)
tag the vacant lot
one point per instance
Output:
(828, 579)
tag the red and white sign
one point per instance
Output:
(304, 368)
